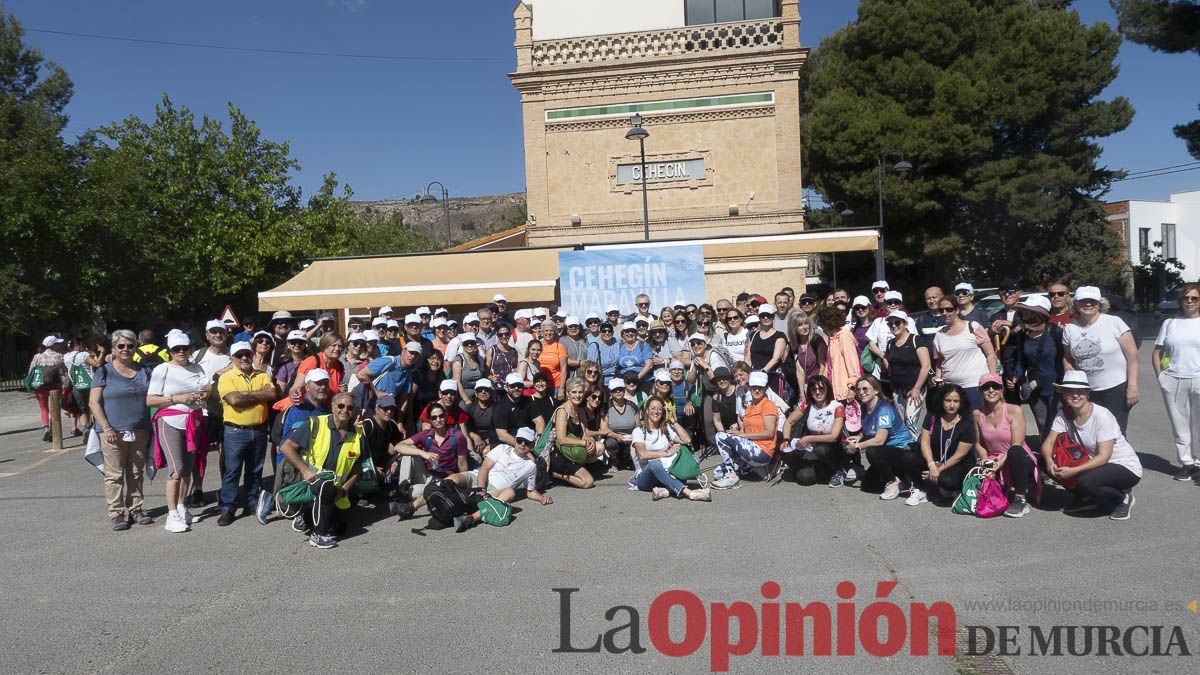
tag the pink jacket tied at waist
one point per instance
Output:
(844, 365)
(197, 437)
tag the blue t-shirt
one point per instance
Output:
(397, 381)
(884, 416)
(607, 356)
(124, 398)
(634, 360)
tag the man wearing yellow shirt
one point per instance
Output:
(246, 396)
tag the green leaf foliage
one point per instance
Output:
(996, 104)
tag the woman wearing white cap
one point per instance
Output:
(906, 364)
(1105, 481)
(468, 367)
(1039, 361)
(297, 351)
(861, 316)
(767, 348)
(1178, 377)
(179, 390)
(620, 419)
(50, 360)
(751, 447)
(1102, 346)
(576, 344)
(656, 442)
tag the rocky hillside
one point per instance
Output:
(470, 217)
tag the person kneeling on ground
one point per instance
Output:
(886, 440)
(948, 443)
(1105, 481)
(815, 430)
(326, 453)
(505, 470)
(752, 447)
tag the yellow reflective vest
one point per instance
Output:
(321, 440)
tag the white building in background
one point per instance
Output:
(1175, 223)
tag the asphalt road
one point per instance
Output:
(81, 598)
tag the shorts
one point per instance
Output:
(81, 400)
(563, 466)
(474, 474)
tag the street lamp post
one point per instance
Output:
(638, 133)
(900, 167)
(845, 213)
(428, 197)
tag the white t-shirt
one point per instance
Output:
(1181, 337)
(1096, 350)
(170, 379)
(820, 420)
(657, 441)
(735, 344)
(963, 360)
(511, 470)
(77, 358)
(211, 362)
(1102, 426)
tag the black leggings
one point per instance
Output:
(1113, 399)
(1107, 484)
(951, 479)
(829, 458)
(1020, 469)
(892, 462)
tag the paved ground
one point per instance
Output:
(80, 598)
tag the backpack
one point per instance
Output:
(964, 504)
(495, 512)
(992, 501)
(446, 501)
(150, 357)
(1068, 451)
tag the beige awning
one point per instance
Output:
(526, 275)
(799, 243)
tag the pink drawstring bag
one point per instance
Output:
(992, 501)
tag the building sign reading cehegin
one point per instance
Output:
(684, 169)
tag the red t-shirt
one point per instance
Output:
(454, 417)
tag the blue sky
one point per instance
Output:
(388, 127)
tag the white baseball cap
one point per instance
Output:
(758, 379)
(379, 321)
(307, 323)
(484, 383)
(385, 310)
(392, 323)
(523, 314)
(860, 301)
(765, 309)
(642, 319)
(471, 318)
(422, 310)
(178, 339)
(561, 313)
(441, 311)
(296, 335)
(573, 321)
(513, 378)
(413, 347)
(51, 340)
(751, 319)
(893, 295)
(438, 322)
(628, 325)
(316, 375)
(371, 335)
(675, 365)
(612, 308)
(215, 323)
(526, 434)
(964, 286)
(356, 337)
(697, 337)
(541, 312)
(263, 333)
(662, 376)
(1036, 303)
(499, 297)
(412, 318)
(535, 323)
(616, 383)
(880, 284)
(240, 347)
(897, 315)
(1088, 293)
(448, 385)
(467, 337)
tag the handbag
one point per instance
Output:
(992, 501)
(964, 504)
(547, 436)
(867, 359)
(1069, 451)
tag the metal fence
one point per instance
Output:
(13, 367)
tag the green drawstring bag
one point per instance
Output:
(300, 493)
(964, 504)
(495, 512)
(867, 358)
(685, 467)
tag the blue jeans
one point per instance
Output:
(654, 474)
(975, 397)
(244, 451)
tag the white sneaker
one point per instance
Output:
(175, 524)
(915, 497)
(891, 491)
(727, 482)
(700, 495)
(184, 515)
(659, 493)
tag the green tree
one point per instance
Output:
(996, 103)
(329, 218)
(1171, 26)
(36, 175)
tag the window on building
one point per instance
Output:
(1144, 243)
(1168, 240)
(719, 11)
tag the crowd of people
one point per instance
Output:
(425, 410)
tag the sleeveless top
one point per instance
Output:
(998, 439)
(963, 360)
(471, 374)
(622, 422)
(503, 363)
(904, 363)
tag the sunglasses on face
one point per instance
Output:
(895, 324)
(1010, 292)
(1058, 294)
(124, 347)
(592, 371)
(389, 410)
(606, 330)
(216, 331)
(243, 355)
(435, 418)
(516, 385)
(1088, 303)
(946, 310)
(296, 343)
(503, 335)
(1190, 298)
(892, 302)
(346, 406)
(990, 386)
(863, 390)
(180, 350)
(264, 340)
(593, 397)
(963, 293)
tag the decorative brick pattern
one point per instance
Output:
(714, 38)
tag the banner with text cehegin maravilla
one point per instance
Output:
(589, 281)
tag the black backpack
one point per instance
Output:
(446, 501)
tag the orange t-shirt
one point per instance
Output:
(753, 422)
(551, 360)
(334, 368)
